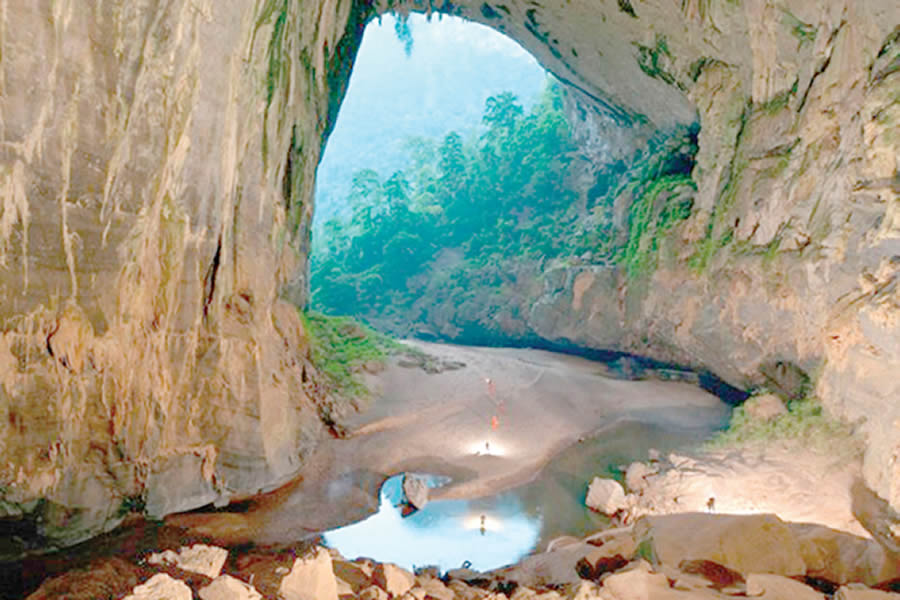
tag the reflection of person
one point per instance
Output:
(483, 525)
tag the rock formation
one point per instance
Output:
(157, 170)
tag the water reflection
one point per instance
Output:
(499, 530)
(488, 533)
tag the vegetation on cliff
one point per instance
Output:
(341, 347)
(804, 419)
(450, 232)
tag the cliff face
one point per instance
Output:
(157, 170)
(788, 265)
(157, 166)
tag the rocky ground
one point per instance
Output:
(692, 555)
(764, 520)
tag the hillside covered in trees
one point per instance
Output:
(448, 238)
(416, 77)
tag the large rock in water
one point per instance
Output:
(606, 496)
(157, 172)
(415, 489)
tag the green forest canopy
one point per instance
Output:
(452, 223)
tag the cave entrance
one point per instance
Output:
(394, 201)
(454, 187)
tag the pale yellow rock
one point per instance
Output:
(637, 582)
(344, 588)
(744, 543)
(765, 407)
(226, 587)
(465, 591)
(841, 557)
(636, 476)
(373, 592)
(161, 587)
(860, 592)
(776, 587)
(357, 575)
(434, 588)
(606, 496)
(199, 558)
(586, 590)
(395, 580)
(311, 578)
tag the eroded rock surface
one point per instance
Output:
(157, 170)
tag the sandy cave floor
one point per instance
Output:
(544, 402)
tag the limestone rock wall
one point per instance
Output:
(156, 175)
(792, 252)
(156, 171)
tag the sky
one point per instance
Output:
(454, 66)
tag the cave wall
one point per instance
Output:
(792, 252)
(156, 170)
(157, 167)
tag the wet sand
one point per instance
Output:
(488, 438)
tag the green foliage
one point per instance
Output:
(805, 422)
(131, 505)
(490, 198)
(469, 213)
(647, 221)
(653, 59)
(779, 102)
(341, 346)
(804, 32)
(718, 231)
(403, 31)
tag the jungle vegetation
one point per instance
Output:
(468, 211)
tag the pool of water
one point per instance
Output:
(498, 530)
(487, 532)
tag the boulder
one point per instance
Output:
(524, 593)
(463, 574)
(464, 591)
(161, 587)
(606, 496)
(636, 583)
(356, 575)
(414, 593)
(765, 407)
(392, 579)
(861, 592)
(226, 587)
(587, 590)
(636, 476)
(415, 489)
(373, 592)
(435, 588)
(199, 558)
(344, 588)
(311, 578)
(744, 543)
(717, 576)
(843, 557)
(776, 587)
